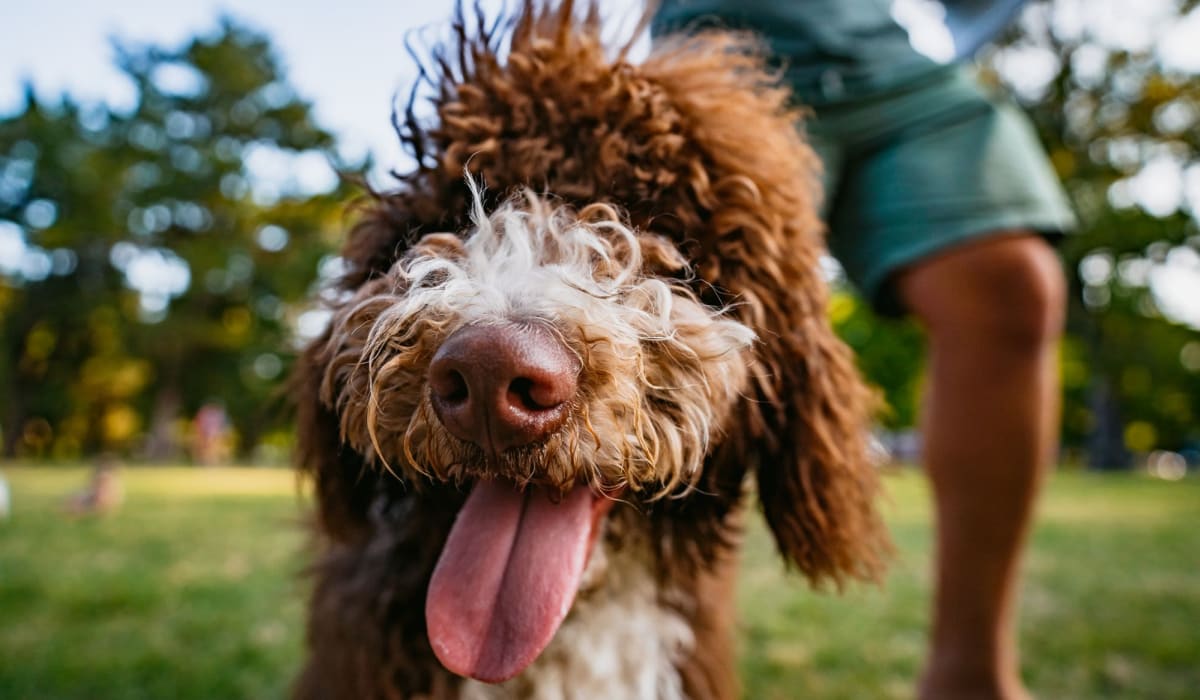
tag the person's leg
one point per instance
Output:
(993, 310)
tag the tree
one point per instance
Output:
(1119, 118)
(1121, 122)
(889, 354)
(158, 267)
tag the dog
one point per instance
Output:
(560, 349)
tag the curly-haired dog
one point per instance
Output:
(530, 420)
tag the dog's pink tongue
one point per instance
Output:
(506, 578)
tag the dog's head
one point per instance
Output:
(542, 347)
(543, 361)
(648, 331)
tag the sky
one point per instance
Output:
(349, 59)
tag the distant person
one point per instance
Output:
(103, 493)
(939, 200)
(5, 499)
(210, 435)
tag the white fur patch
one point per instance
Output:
(660, 369)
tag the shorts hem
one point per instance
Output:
(875, 284)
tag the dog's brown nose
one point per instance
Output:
(502, 386)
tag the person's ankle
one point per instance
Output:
(943, 681)
(953, 675)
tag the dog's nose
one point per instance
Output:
(502, 386)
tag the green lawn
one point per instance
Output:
(191, 591)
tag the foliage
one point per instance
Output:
(1123, 131)
(889, 353)
(1121, 125)
(155, 261)
(154, 269)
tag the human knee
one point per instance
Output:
(1010, 293)
(1026, 287)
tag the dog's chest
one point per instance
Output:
(619, 641)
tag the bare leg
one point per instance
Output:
(994, 312)
(710, 672)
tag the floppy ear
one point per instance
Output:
(815, 478)
(749, 200)
(344, 485)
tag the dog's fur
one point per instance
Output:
(660, 220)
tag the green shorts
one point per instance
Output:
(912, 172)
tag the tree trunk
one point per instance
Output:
(14, 418)
(1106, 445)
(14, 395)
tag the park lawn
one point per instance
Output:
(193, 591)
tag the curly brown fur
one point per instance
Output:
(693, 151)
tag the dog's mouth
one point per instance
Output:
(508, 576)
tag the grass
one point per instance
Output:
(1111, 601)
(191, 591)
(188, 592)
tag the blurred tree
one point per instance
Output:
(1117, 103)
(156, 260)
(889, 354)
(1119, 112)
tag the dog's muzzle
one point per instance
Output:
(503, 386)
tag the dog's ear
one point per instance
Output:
(344, 485)
(748, 197)
(385, 230)
(816, 481)
(805, 427)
